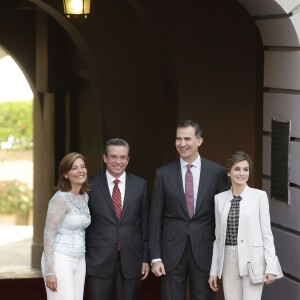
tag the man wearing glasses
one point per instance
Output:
(117, 239)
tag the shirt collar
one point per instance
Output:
(110, 179)
(243, 192)
(196, 163)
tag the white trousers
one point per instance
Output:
(236, 287)
(70, 275)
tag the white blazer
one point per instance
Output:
(255, 239)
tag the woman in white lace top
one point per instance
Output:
(63, 260)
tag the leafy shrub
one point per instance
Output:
(16, 125)
(15, 197)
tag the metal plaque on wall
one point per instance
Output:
(280, 160)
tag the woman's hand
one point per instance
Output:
(269, 278)
(213, 283)
(51, 282)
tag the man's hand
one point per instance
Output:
(51, 283)
(145, 270)
(158, 269)
(213, 283)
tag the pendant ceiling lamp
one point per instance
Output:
(77, 7)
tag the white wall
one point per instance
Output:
(279, 24)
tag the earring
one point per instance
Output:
(66, 177)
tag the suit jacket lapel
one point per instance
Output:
(244, 195)
(176, 180)
(205, 179)
(227, 204)
(104, 190)
(128, 194)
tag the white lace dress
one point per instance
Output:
(67, 218)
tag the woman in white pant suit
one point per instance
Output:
(243, 234)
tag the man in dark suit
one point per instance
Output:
(117, 239)
(182, 219)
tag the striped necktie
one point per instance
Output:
(189, 190)
(116, 198)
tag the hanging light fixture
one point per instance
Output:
(77, 7)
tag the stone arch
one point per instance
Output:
(77, 38)
(20, 65)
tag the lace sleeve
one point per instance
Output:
(57, 210)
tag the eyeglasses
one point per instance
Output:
(116, 157)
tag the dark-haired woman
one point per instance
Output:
(243, 234)
(63, 260)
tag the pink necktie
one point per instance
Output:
(189, 191)
(116, 198)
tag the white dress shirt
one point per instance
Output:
(196, 169)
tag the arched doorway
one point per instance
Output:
(33, 31)
(16, 165)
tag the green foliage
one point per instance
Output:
(16, 125)
(15, 197)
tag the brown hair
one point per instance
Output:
(63, 184)
(237, 157)
(191, 123)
